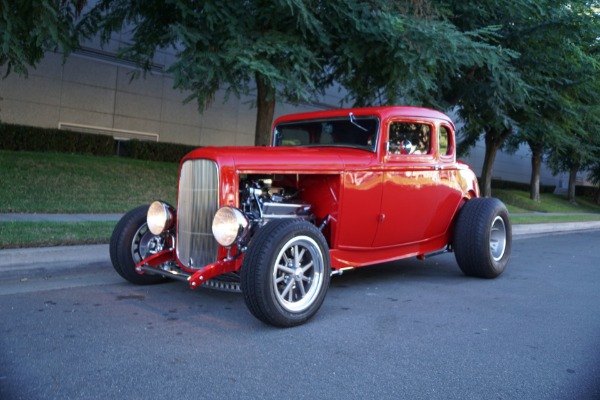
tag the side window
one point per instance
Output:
(409, 138)
(445, 141)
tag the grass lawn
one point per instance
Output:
(70, 183)
(41, 234)
(519, 202)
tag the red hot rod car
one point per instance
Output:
(335, 190)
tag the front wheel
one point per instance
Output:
(130, 243)
(482, 238)
(285, 273)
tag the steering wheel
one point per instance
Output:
(406, 147)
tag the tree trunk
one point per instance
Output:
(493, 143)
(265, 110)
(536, 167)
(487, 169)
(572, 179)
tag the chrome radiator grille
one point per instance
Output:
(197, 203)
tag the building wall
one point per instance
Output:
(99, 96)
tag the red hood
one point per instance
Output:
(286, 159)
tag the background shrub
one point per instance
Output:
(31, 138)
(509, 185)
(155, 151)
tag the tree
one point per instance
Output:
(405, 52)
(30, 28)
(239, 46)
(380, 51)
(581, 152)
(550, 38)
(594, 177)
(487, 99)
(559, 61)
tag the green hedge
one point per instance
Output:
(30, 138)
(496, 184)
(155, 151)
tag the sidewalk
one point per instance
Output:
(67, 256)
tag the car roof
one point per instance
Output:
(382, 112)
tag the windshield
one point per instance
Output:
(351, 131)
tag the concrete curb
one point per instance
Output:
(549, 228)
(36, 263)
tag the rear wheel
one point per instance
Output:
(285, 273)
(482, 238)
(130, 243)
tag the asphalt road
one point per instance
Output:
(404, 330)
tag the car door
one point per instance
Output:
(359, 211)
(418, 195)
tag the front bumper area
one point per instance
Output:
(165, 264)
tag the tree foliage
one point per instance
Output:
(552, 69)
(559, 60)
(487, 97)
(30, 28)
(409, 53)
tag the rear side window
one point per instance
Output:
(409, 138)
(445, 141)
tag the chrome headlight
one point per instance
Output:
(229, 226)
(160, 217)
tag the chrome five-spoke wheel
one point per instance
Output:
(298, 274)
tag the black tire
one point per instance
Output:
(482, 238)
(286, 295)
(129, 245)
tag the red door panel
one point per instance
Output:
(359, 210)
(417, 205)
